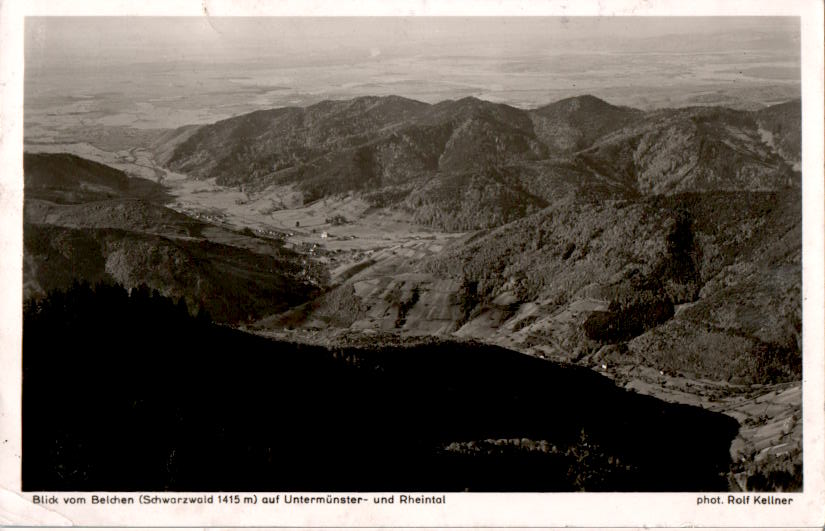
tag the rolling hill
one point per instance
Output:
(783, 122)
(85, 221)
(691, 150)
(66, 179)
(253, 146)
(576, 123)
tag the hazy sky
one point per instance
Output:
(72, 41)
(202, 68)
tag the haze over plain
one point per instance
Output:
(82, 71)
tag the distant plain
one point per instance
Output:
(82, 76)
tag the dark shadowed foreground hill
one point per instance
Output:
(153, 399)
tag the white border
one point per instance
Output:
(601, 510)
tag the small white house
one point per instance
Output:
(325, 235)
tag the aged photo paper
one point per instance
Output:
(412, 264)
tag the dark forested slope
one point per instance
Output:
(153, 399)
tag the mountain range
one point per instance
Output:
(472, 164)
(662, 248)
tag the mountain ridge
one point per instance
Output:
(419, 155)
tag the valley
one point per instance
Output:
(659, 250)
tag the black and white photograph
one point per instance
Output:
(413, 254)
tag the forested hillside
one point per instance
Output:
(471, 164)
